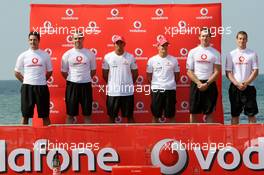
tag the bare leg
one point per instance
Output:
(24, 120)
(46, 121)
(87, 119)
(252, 119)
(235, 120)
(209, 118)
(193, 118)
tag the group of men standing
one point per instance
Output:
(78, 66)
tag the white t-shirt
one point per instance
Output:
(120, 81)
(34, 64)
(163, 72)
(241, 63)
(201, 60)
(78, 63)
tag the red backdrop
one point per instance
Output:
(141, 25)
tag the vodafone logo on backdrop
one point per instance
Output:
(138, 52)
(50, 81)
(47, 24)
(96, 108)
(169, 155)
(92, 28)
(140, 107)
(185, 105)
(159, 15)
(69, 12)
(114, 12)
(95, 80)
(182, 24)
(184, 79)
(69, 15)
(137, 27)
(52, 108)
(203, 14)
(184, 52)
(140, 79)
(115, 15)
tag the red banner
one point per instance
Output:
(176, 149)
(141, 25)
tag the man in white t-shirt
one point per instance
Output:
(242, 69)
(78, 66)
(203, 68)
(120, 72)
(162, 73)
(33, 68)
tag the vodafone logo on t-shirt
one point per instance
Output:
(79, 59)
(241, 59)
(203, 56)
(34, 60)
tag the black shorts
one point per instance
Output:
(240, 100)
(78, 93)
(32, 95)
(203, 101)
(163, 101)
(125, 103)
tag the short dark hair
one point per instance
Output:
(207, 30)
(34, 33)
(242, 33)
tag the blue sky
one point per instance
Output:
(240, 15)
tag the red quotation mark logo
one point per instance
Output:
(159, 12)
(140, 105)
(184, 52)
(114, 12)
(241, 59)
(94, 51)
(184, 79)
(92, 24)
(203, 56)
(184, 105)
(137, 24)
(204, 11)
(47, 24)
(69, 12)
(140, 79)
(182, 24)
(34, 60)
(69, 39)
(95, 105)
(138, 52)
(79, 59)
(51, 105)
(169, 155)
(49, 51)
(95, 80)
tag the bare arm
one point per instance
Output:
(134, 74)
(193, 77)
(64, 74)
(214, 76)
(48, 74)
(19, 76)
(93, 72)
(149, 77)
(177, 76)
(105, 74)
(252, 77)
